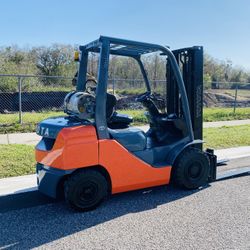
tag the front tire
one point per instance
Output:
(85, 190)
(191, 169)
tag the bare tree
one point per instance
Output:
(54, 60)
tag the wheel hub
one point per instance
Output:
(194, 170)
(88, 192)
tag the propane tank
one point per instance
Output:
(80, 104)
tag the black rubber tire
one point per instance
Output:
(85, 189)
(191, 169)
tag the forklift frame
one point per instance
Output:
(107, 46)
(61, 165)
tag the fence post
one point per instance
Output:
(20, 99)
(235, 97)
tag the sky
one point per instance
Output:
(221, 26)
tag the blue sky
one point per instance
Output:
(222, 26)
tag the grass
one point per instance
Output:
(225, 114)
(226, 137)
(138, 116)
(18, 160)
(11, 125)
(209, 114)
(30, 117)
(9, 122)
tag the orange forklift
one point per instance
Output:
(93, 151)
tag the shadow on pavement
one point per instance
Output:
(27, 223)
(23, 200)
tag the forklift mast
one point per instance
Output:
(190, 61)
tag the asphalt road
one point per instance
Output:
(215, 217)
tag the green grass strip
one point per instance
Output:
(18, 160)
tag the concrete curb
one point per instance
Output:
(19, 184)
(20, 138)
(233, 153)
(225, 123)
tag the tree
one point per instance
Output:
(14, 60)
(56, 60)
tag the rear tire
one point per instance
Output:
(85, 190)
(191, 169)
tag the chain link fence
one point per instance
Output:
(227, 94)
(28, 99)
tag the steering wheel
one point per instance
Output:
(143, 97)
(147, 100)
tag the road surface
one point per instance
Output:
(215, 217)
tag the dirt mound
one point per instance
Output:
(211, 98)
(128, 102)
(214, 99)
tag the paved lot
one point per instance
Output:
(20, 138)
(216, 217)
(225, 123)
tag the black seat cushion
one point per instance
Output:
(118, 121)
(133, 139)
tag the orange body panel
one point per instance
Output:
(75, 147)
(128, 172)
(78, 147)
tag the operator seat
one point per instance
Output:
(110, 105)
(133, 139)
(114, 119)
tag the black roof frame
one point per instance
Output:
(107, 46)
